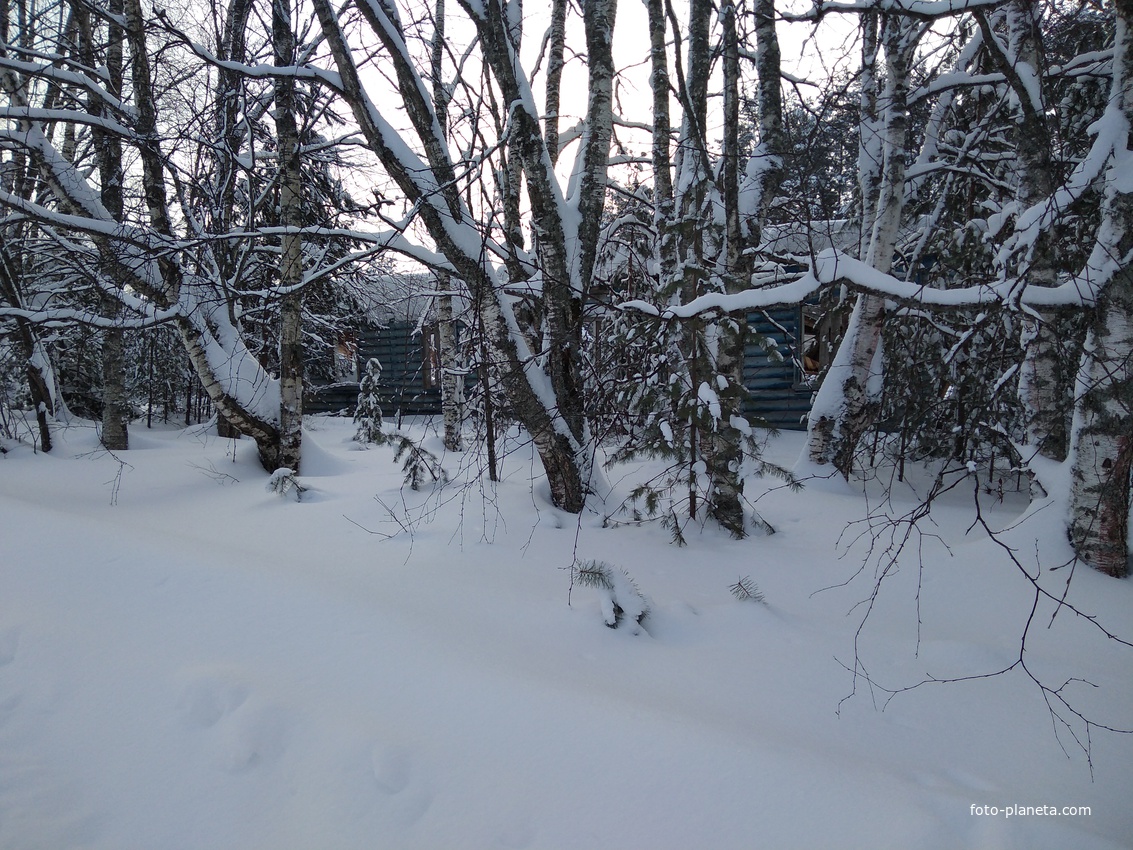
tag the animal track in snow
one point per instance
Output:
(209, 698)
(254, 736)
(243, 731)
(9, 645)
(408, 797)
(391, 768)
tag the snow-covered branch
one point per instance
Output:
(834, 268)
(926, 9)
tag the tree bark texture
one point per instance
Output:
(1043, 393)
(1102, 437)
(291, 253)
(664, 211)
(40, 377)
(847, 402)
(115, 434)
(452, 389)
(555, 64)
(723, 447)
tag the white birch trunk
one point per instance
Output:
(291, 253)
(846, 403)
(1101, 454)
(452, 389)
(115, 434)
(1042, 393)
(555, 64)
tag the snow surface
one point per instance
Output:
(187, 661)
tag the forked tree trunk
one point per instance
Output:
(236, 384)
(547, 402)
(202, 332)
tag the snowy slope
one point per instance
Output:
(188, 661)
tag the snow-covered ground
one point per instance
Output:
(189, 661)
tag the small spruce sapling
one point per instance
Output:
(368, 413)
(746, 590)
(621, 599)
(284, 482)
(420, 464)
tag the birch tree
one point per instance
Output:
(108, 156)
(846, 404)
(22, 31)
(452, 382)
(150, 274)
(291, 247)
(687, 387)
(1017, 54)
(1010, 277)
(544, 387)
(1102, 435)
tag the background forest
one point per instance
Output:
(200, 203)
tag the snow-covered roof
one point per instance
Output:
(807, 238)
(404, 297)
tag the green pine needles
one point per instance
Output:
(746, 590)
(285, 484)
(669, 411)
(368, 412)
(421, 466)
(621, 599)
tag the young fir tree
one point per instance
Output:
(368, 413)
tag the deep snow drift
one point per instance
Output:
(189, 661)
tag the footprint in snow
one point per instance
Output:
(517, 833)
(408, 798)
(9, 645)
(209, 698)
(254, 737)
(243, 732)
(391, 768)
